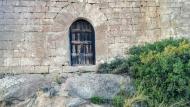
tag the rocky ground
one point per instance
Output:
(59, 90)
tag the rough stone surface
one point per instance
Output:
(102, 85)
(34, 33)
(21, 87)
(74, 102)
(57, 101)
(33, 90)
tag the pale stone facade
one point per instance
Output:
(34, 34)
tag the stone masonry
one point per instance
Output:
(34, 33)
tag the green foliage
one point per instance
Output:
(139, 98)
(117, 66)
(176, 104)
(57, 79)
(158, 46)
(97, 100)
(118, 101)
(162, 69)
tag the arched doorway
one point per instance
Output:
(82, 43)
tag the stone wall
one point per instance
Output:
(34, 33)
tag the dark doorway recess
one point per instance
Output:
(82, 43)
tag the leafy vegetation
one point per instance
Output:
(138, 98)
(58, 80)
(162, 69)
(116, 66)
(118, 101)
(97, 100)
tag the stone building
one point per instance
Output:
(41, 36)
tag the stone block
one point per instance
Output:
(5, 45)
(11, 61)
(93, 1)
(70, 69)
(41, 69)
(55, 69)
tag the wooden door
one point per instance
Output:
(82, 43)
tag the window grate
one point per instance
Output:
(82, 43)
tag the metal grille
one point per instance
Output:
(82, 43)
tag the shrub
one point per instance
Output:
(163, 70)
(117, 66)
(58, 80)
(118, 101)
(158, 46)
(139, 98)
(97, 100)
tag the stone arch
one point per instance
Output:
(90, 13)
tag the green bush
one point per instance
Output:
(163, 70)
(97, 100)
(118, 101)
(117, 66)
(137, 99)
(158, 46)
